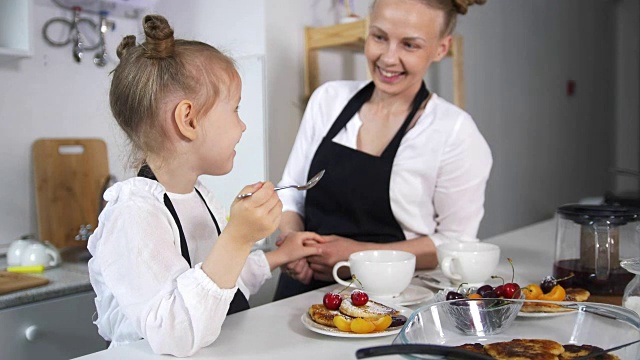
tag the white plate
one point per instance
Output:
(543, 314)
(410, 296)
(436, 279)
(326, 330)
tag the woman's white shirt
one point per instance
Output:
(144, 287)
(439, 173)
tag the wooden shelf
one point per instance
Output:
(351, 36)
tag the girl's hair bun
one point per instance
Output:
(129, 41)
(462, 6)
(160, 42)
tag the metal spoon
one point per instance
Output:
(311, 183)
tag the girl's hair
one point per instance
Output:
(450, 8)
(154, 76)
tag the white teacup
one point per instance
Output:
(40, 254)
(382, 273)
(468, 262)
(14, 253)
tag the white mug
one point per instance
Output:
(14, 253)
(472, 263)
(382, 273)
(40, 254)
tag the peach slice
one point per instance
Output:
(362, 326)
(382, 323)
(342, 323)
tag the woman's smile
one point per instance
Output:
(389, 76)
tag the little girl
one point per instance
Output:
(166, 265)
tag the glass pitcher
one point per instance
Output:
(590, 242)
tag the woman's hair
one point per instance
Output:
(450, 8)
(154, 76)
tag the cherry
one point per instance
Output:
(511, 291)
(499, 290)
(332, 300)
(549, 282)
(490, 295)
(482, 290)
(359, 297)
(453, 295)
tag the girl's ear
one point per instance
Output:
(443, 48)
(185, 119)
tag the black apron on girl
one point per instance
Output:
(239, 302)
(352, 200)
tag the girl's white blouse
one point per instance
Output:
(144, 288)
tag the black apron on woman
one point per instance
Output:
(239, 302)
(352, 200)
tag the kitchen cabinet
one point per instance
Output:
(351, 36)
(61, 328)
(15, 28)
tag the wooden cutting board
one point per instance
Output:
(10, 282)
(69, 175)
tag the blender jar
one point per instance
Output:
(590, 242)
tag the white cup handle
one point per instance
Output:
(337, 266)
(445, 265)
(56, 259)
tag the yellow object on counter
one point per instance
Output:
(26, 269)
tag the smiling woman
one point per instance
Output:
(401, 163)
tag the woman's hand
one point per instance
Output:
(334, 248)
(293, 251)
(257, 216)
(299, 269)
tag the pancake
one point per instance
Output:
(572, 294)
(525, 349)
(321, 315)
(574, 351)
(576, 294)
(370, 310)
(476, 348)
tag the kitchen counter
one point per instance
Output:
(67, 279)
(275, 330)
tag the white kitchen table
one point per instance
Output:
(275, 331)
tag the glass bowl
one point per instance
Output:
(479, 316)
(600, 325)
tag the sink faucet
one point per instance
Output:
(84, 233)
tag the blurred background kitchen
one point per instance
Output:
(552, 85)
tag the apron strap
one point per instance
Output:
(184, 249)
(391, 149)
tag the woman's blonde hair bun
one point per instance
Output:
(462, 6)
